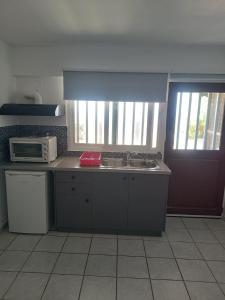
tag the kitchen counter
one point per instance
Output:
(71, 163)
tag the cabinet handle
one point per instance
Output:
(73, 189)
(133, 178)
(87, 200)
(73, 177)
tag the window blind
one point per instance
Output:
(115, 86)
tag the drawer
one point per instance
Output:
(72, 188)
(72, 176)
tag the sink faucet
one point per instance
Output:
(129, 155)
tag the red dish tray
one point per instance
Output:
(90, 159)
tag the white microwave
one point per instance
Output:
(33, 149)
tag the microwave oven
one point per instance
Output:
(33, 149)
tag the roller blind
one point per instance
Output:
(115, 86)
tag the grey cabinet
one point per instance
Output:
(147, 202)
(110, 200)
(73, 200)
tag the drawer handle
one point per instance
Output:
(73, 189)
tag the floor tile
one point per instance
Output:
(131, 247)
(5, 239)
(169, 290)
(212, 251)
(133, 289)
(215, 224)
(178, 235)
(130, 237)
(204, 291)
(105, 236)
(135, 267)
(174, 223)
(163, 268)
(77, 245)
(42, 262)
(220, 235)
(58, 233)
(218, 270)
(202, 236)
(71, 264)
(80, 234)
(24, 242)
(50, 244)
(185, 250)
(6, 278)
(103, 246)
(195, 270)
(63, 287)
(13, 260)
(98, 288)
(27, 286)
(158, 249)
(162, 238)
(101, 265)
(195, 223)
(222, 286)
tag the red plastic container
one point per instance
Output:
(90, 159)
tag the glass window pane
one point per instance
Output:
(120, 123)
(155, 125)
(100, 121)
(128, 123)
(205, 123)
(82, 121)
(110, 121)
(138, 123)
(91, 122)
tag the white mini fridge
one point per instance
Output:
(27, 201)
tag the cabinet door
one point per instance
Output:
(147, 202)
(110, 199)
(73, 205)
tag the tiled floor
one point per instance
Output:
(187, 262)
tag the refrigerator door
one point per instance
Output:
(27, 201)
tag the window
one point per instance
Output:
(114, 126)
(198, 122)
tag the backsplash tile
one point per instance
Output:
(35, 130)
(59, 131)
(5, 133)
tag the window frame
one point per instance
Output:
(190, 87)
(161, 133)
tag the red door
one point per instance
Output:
(195, 148)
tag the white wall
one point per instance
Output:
(6, 81)
(41, 67)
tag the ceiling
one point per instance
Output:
(136, 22)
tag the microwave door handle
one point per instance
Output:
(26, 174)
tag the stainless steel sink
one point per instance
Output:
(142, 163)
(113, 162)
(132, 163)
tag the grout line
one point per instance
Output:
(179, 266)
(146, 260)
(117, 252)
(85, 267)
(53, 267)
(206, 262)
(20, 270)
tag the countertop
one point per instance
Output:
(71, 163)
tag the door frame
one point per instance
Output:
(170, 153)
